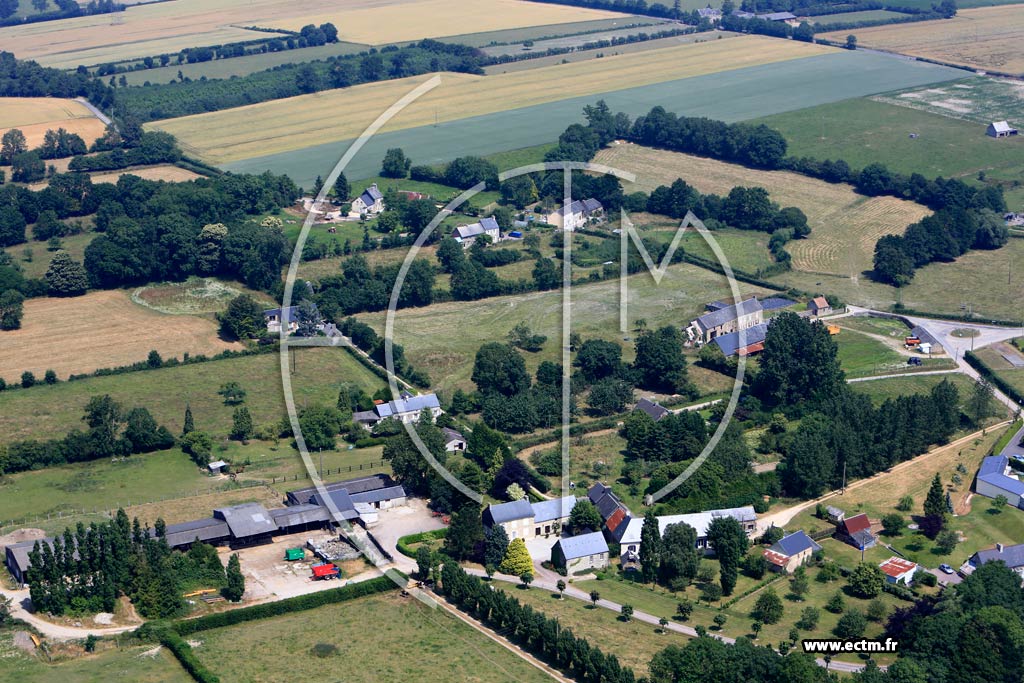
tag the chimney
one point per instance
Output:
(999, 547)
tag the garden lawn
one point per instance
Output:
(412, 642)
(140, 664)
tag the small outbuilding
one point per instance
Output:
(897, 569)
(580, 553)
(791, 551)
(1000, 129)
(818, 306)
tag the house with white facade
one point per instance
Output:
(581, 553)
(725, 320)
(406, 409)
(467, 234)
(576, 215)
(369, 203)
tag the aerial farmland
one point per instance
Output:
(596, 341)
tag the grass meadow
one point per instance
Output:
(105, 329)
(443, 338)
(48, 411)
(844, 224)
(863, 131)
(881, 389)
(421, 644)
(141, 664)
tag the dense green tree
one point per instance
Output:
(866, 580)
(584, 517)
(189, 424)
(242, 319)
(495, 545)
(241, 424)
(65, 276)
(235, 586)
(660, 362)
(799, 366)
(598, 359)
(768, 607)
(851, 625)
(500, 369)
(730, 543)
(809, 463)
(650, 547)
(893, 524)
(395, 164)
(935, 507)
(679, 555)
(320, 426)
(143, 434)
(232, 392)
(11, 309)
(517, 559)
(609, 396)
(198, 446)
(342, 189)
(465, 533)
(12, 144)
(546, 274)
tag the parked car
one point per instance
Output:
(913, 361)
(945, 568)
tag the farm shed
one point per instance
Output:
(580, 553)
(210, 530)
(453, 440)
(819, 305)
(856, 531)
(995, 479)
(250, 523)
(358, 485)
(1000, 129)
(16, 558)
(380, 499)
(730, 343)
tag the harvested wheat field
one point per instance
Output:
(171, 174)
(395, 21)
(103, 329)
(844, 224)
(33, 116)
(154, 28)
(988, 38)
(299, 122)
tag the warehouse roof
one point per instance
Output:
(247, 519)
(298, 515)
(375, 481)
(207, 529)
(993, 471)
(377, 495)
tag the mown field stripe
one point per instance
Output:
(736, 95)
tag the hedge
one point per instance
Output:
(300, 603)
(405, 541)
(987, 373)
(170, 639)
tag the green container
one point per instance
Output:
(294, 554)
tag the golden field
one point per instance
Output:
(299, 122)
(987, 38)
(155, 28)
(33, 116)
(844, 224)
(397, 21)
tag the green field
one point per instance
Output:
(242, 66)
(766, 90)
(518, 35)
(108, 665)
(865, 15)
(979, 99)
(863, 131)
(999, 365)
(36, 268)
(442, 339)
(50, 411)
(410, 640)
(863, 356)
(976, 281)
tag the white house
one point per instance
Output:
(276, 317)
(370, 202)
(627, 533)
(453, 440)
(997, 478)
(523, 520)
(897, 569)
(580, 553)
(791, 551)
(406, 409)
(576, 215)
(1000, 129)
(467, 234)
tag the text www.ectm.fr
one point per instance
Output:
(837, 646)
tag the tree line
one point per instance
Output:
(111, 432)
(540, 635)
(85, 570)
(22, 78)
(171, 100)
(65, 9)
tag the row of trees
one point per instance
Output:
(21, 78)
(540, 635)
(170, 100)
(86, 569)
(111, 431)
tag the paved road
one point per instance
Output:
(20, 602)
(95, 112)
(1015, 445)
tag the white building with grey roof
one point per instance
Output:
(583, 553)
(725, 320)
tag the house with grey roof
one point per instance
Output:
(370, 202)
(1011, 555)
(710, 13)
(549, 516)
(742, 343)
(16, 558)
(627, 533)
(579, 554)
(791, 551)
(732, 318)
(996, 478)
(209, 530)
(654, 409)
(576, 215)
(516, 517)
(467, 234)
(288, 317)
(407, 409)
